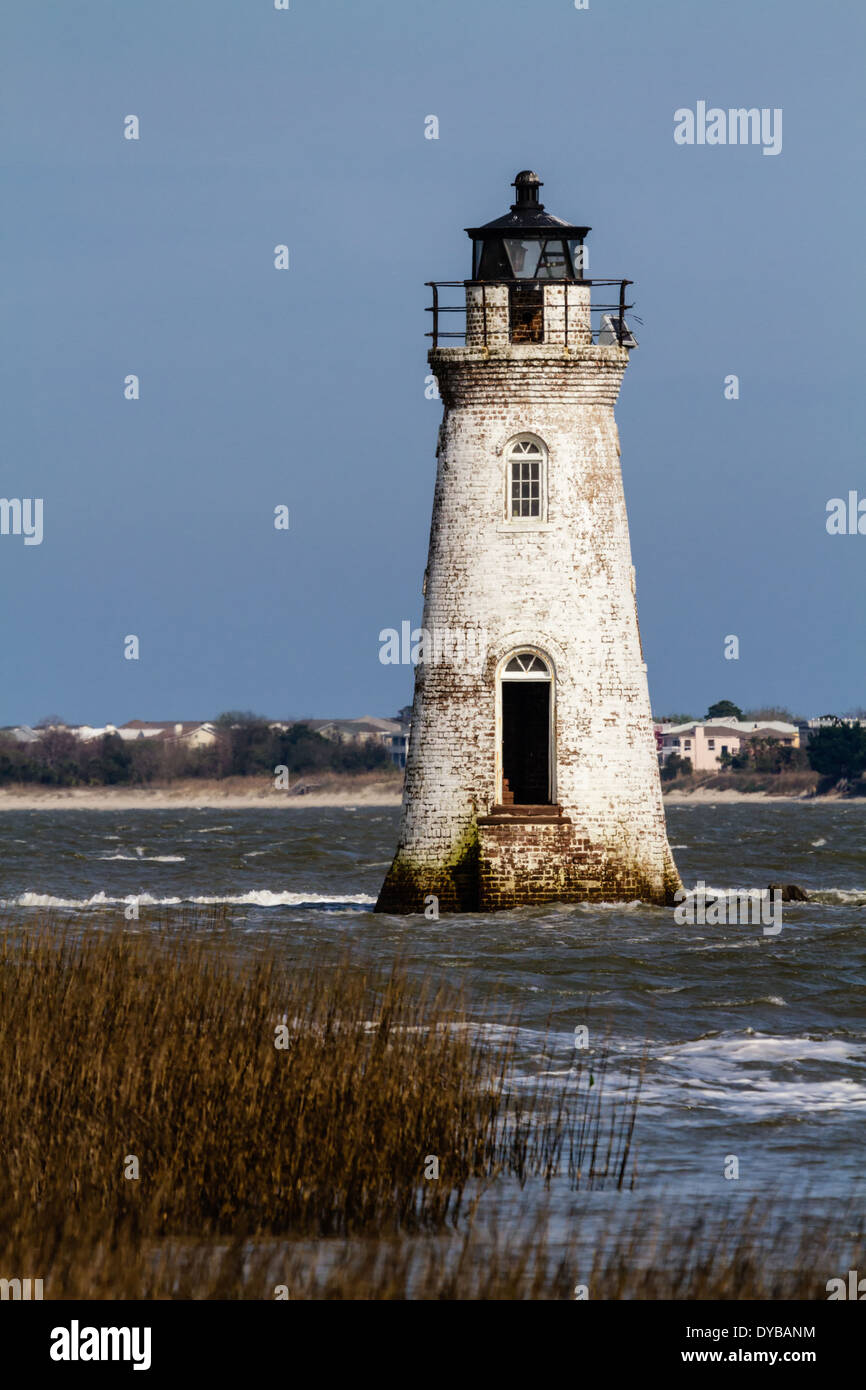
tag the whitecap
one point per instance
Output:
(838, 896)
(257, 898)
(145, 858)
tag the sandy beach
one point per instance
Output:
(243, 793)
(706, 795)
(232, 794)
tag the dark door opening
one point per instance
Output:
(526, 742)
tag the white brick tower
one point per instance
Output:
(532, 773)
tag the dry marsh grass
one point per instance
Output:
(153, 1046)
(301, 1169)
(718, 1257)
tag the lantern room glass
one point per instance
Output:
(576, 253)
(526, 258)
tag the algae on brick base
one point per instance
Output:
(408, 887)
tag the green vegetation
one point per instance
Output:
(778, 712)
(838, 750)
(724, 709)
(765, 755)
(675, 766)
(247, 747)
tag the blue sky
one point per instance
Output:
(306, 387)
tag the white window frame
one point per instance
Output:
(550, 677)
(526, 523)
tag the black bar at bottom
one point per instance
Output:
(166, 1340)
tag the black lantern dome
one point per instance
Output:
(527, 243)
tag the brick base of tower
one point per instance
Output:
(516, 861)
(547, 861)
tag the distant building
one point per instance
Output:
(706, 741)
(193, 733)
(23, 734)
(368, 729)
(398, 745)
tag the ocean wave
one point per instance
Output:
(262, 897)
(838, 896)
(765, 1047)
(145, 858)
(754, 1076)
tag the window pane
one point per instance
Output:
(527, 665)
(552, 264)
(525, 480)
(577, 258)
(523, 256)
(494, 262)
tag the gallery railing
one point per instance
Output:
(614, 310)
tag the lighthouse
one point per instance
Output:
(532, 773)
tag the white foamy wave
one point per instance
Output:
(775, 999)
(146, 858)
(257, 898)
(750, 1075)
(839, 896)
(263, 897)
(741, 1073)
(757, 1047)
(588, 909)
(95, 900)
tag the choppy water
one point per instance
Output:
(756, 1045)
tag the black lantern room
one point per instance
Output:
(527, 243)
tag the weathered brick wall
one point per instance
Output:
(526, 862)
(566, 588)
(566, 315)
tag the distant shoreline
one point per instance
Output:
(228, 794)
(367, 790)
(704, 796)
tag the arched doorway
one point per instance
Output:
(526, 692)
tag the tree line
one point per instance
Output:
(246, 747)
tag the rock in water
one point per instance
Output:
(791, 893)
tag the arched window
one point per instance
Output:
(526, 469)
(527, 666)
